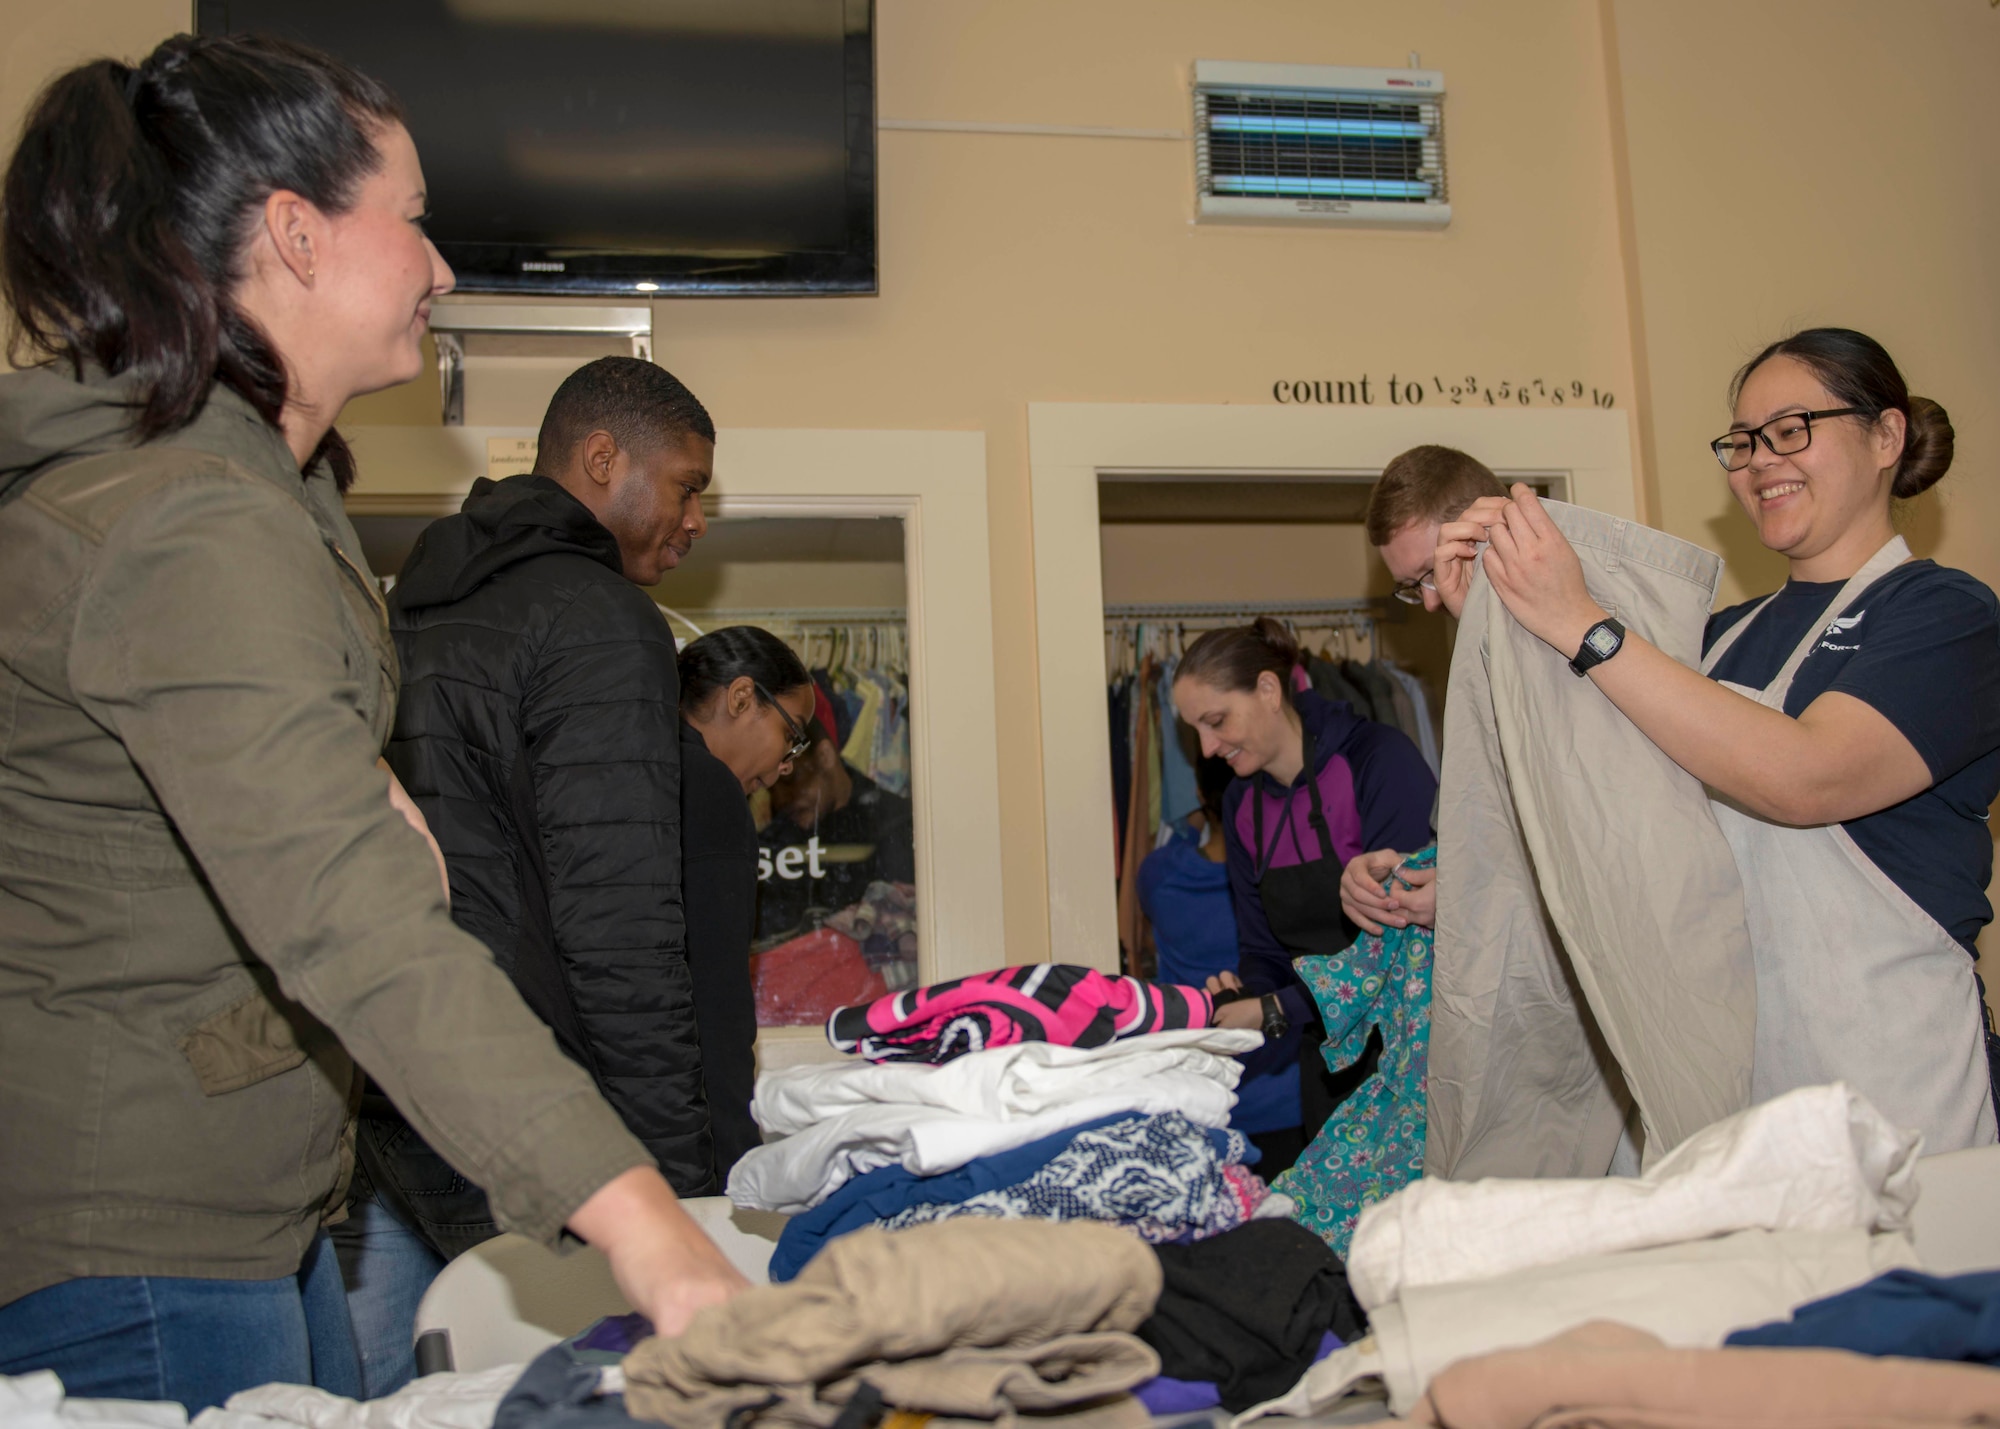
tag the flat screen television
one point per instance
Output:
(623, 146)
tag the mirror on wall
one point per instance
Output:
(836, 915)
(836, 862)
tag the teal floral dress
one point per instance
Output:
(1373, 1145)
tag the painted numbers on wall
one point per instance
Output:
(1366, 391)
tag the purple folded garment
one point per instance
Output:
(1177, 1396)
(615, 1334)
(1328, 1343)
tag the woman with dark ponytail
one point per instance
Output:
(210, 912)
(1849, 729)
(1315, 785)
(746, 701)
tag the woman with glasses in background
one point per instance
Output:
(1848, 729)
(745, 703)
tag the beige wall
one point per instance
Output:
(1785, 161)
(38, 41)
(1144, 561)
(1797, 162)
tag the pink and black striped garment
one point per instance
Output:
(1043, 1002)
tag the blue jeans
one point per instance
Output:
(197, 1341)
(387, 1267)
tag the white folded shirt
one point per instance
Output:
(842, 1123)
(1819, 1158)
(1026, 1079)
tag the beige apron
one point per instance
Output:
(1855, 982)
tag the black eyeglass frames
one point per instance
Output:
(1782, 436)
(794, 731)
(1412, 592)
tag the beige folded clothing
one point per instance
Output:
(966, 1318)
(1610, 1376)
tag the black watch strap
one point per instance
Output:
(1600, 643)
(1276, 1024)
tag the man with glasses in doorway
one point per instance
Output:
(538, 730)
(1425, 495)
(1419, 493)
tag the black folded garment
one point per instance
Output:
(1246, 1310)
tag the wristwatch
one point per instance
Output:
(1600, 643)
(1276, 1024)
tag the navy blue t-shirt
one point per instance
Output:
(1922, 647)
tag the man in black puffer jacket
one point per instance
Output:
(538, 730)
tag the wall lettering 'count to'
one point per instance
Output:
(1363, 391)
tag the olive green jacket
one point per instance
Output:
(207, 905)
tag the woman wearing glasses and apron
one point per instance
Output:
(1315, 785)
(1849, 733)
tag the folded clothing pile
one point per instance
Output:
(971, 1319)
(1802, 1197)
(833, 1123)
(988, 1319)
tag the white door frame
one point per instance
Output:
(1070, 444)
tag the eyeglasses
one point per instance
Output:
(794, 731)
(1412, 592)
(1783, 436)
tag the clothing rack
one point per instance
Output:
(1250, 610)
(1134, 631)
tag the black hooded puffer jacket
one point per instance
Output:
(538, 730)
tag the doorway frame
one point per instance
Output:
(1072, 445)
(935, 482)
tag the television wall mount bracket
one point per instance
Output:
(452, 323)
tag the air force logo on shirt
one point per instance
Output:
(1842, 625)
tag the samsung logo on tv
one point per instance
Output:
(529, 265)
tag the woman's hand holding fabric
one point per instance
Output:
(1536, 574)
(1412, 895)
(1459, 541)
(1361, 895)
(1415, 895)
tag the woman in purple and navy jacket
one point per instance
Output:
(1315, 786)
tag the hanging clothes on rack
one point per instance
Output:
(1142, 817)
(1178, 750)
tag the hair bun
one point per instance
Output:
(1927, 449)
(1280, 641)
